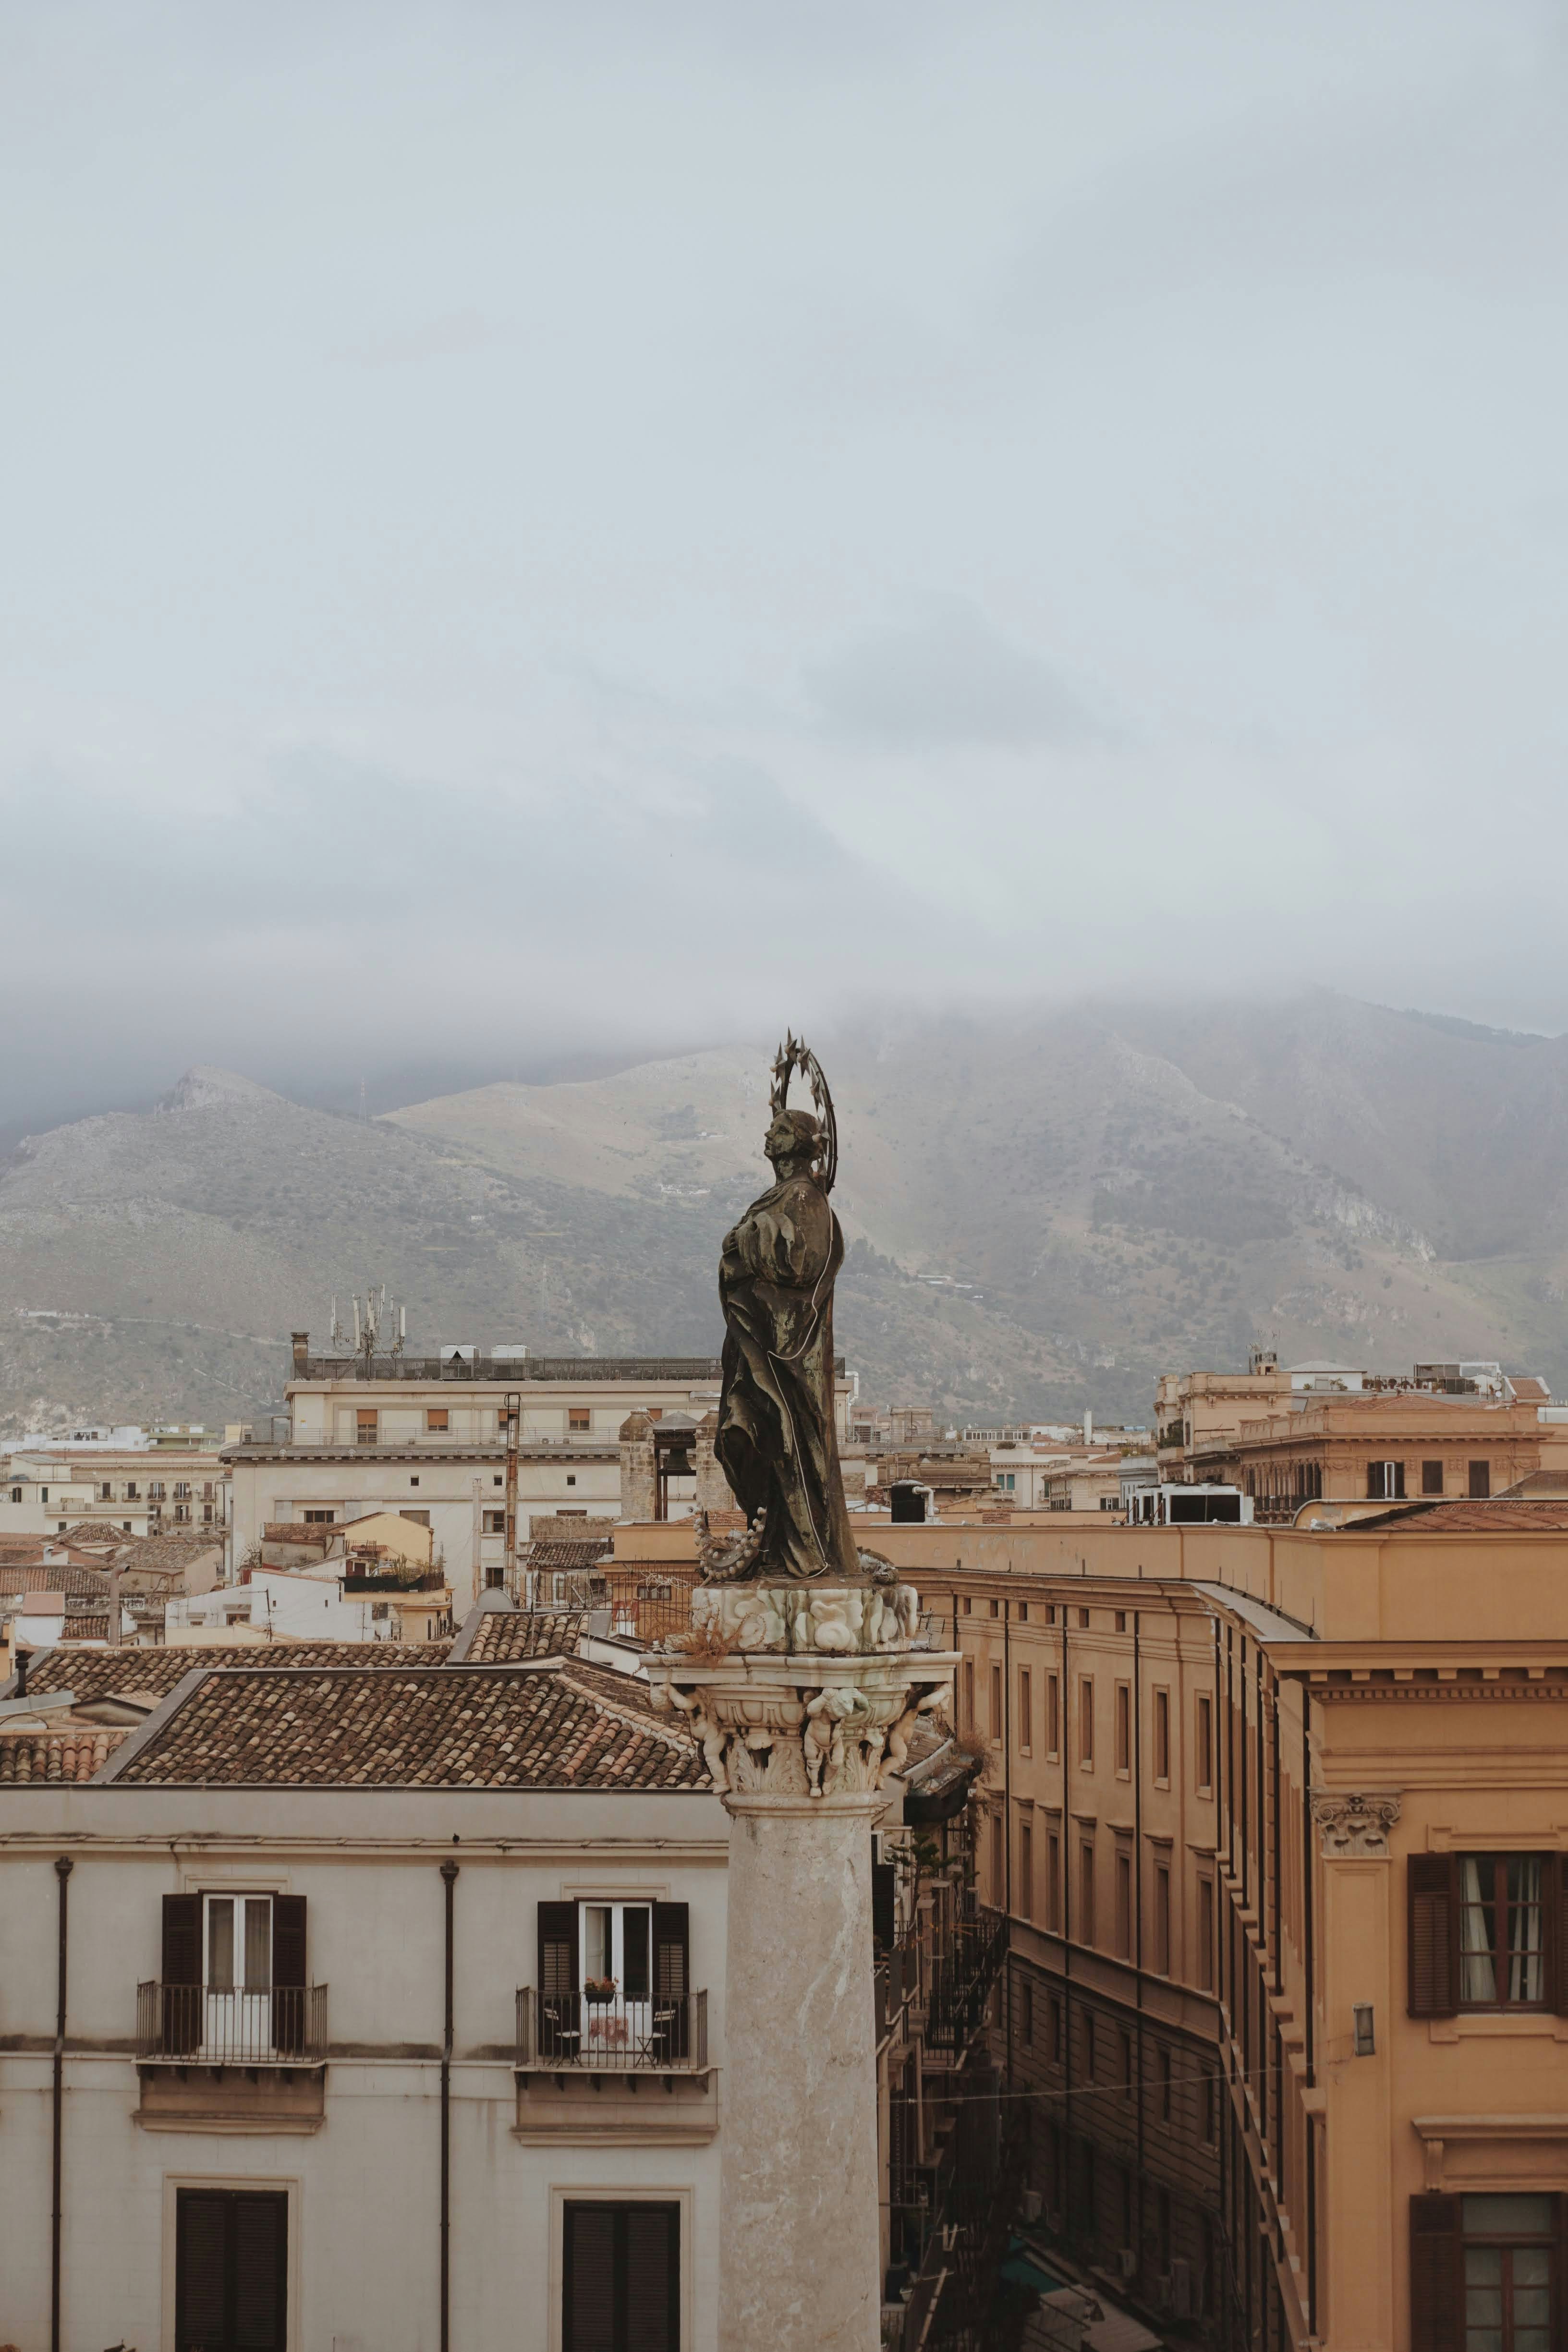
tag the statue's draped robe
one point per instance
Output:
(776, 1440)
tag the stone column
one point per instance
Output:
(803, 1699)
(638, 1479)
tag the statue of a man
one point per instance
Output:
(776, 1440)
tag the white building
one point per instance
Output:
(336, 2073)
(427, 1435)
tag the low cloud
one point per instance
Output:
(944, 681)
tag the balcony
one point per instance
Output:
(194, 2025)
(236, 2063)
(558, 2031)
(615, 2072)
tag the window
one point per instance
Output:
(995, 1705)
(366, 1423)
(1479, 1931)
(416, 1518)
(1053, 1717)
(1083, 1621)
(969, 1690)
(437, 1420)
(1163, 1737)
(995, 1610)
(1056, 2030)
(106, 1493)
(320, 1519)
(1027, 2013)
(1124, 2064)
(570, 1478)
(1122, 1621)
(1210, 2105)
(968, 1604)
(1023, 1612)
(1163, 1918)
(1206, 1934)
(620, 2278)
(1124, 1907)
(234, 1976)
(998, 1863)
(1090, 2038)
(1124, 1727)
(1086, 1892)
(1053, 1882)
(1166, 2082)
(492, 1523)
(1491, 2258)
(1085, 1722)
(1025, 1871)
(231, 2268)
(1026, 1711)
(579, 1417)
(1203, 1746)
(1386, 1481)
(1480, 1481)
(17, 1493)
(130, 1491)
(1431, 1477)
(182, 1490)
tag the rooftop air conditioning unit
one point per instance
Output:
(458, 1355)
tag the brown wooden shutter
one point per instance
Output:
(182, 1973)
(1436, 2275)
(588, 2316)
(288, 1972)
(652, 2278)
(1554, 1911)
(671, 1951)
(883, 1912)
(557, 1948)
(1432, 1881)
(260, 2272)
(201, 2242)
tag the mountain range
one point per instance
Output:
(1044, 1209)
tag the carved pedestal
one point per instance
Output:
(801, 1722)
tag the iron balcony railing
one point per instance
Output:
(196, 2025)
(963, 1971)
(558, 2032)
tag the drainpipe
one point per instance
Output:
(449, 1874)
(62, 1872)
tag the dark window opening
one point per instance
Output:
(231, 2270)
(621, 2283)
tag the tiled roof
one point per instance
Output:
(93, 1673)
(571, 1557)
(109, 1531)
(85, 1629)
(53, 1575)
(301, 1531)
(433, 1728)
(629, 1691)
(37, 1759)
(507, 1634)
(1503, 1515)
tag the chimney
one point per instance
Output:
(114, 1606)
(22, 1656)
(301, 1354)
(1087, 1426)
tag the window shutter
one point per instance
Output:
(182, 1973)
(1555, 1869)
(260, 2272)
(653, 2278)
(201, 2237)
(289, 1939)
(589, 2282)
(671, 1951)
(288, 1972)
(1436, 2275)
(1433, 1890)
(558, 1948)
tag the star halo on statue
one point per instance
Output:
(793, 1055)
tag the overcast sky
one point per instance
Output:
(528, 527)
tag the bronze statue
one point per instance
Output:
(776, 1441)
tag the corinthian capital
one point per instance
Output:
(1353, 1826)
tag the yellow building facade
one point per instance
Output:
(1280, 1823)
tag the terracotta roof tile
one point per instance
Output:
(40, 1758)
(570, 1556)
(507, 1634)
(431, 1728)
(53, 1576)
(94, 1673)
(1503, 1515)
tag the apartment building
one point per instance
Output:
(393, 2012)
(145, 1490)
(1278, 1819)
(428, 1437)
(1334, 1433)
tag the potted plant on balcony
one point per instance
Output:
(597, 1991)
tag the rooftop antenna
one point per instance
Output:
(380, 1327)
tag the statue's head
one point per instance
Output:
(794, 1142)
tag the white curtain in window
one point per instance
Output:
(1477, 1978)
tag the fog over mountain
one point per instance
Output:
(1043, 1212)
